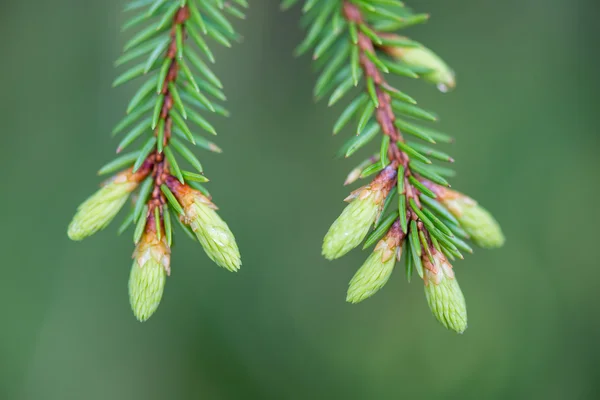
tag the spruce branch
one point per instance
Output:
(162, 118)
(408, 205)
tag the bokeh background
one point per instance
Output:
(525, 117)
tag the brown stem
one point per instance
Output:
(384, 113)
(160, 169)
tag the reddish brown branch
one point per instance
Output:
(160, 169)
(384, 113)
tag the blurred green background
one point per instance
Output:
(525, 118)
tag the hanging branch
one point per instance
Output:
(178, 89)
(408, 205)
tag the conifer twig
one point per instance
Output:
(164, 110)
(408, 204)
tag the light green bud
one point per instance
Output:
(371, 277)
(148, 275)
(351, 227)
(146, 285)
(378, 267)
(213, 233)
(437, 71)
(481, 226)
(98, 211)
(443, 294)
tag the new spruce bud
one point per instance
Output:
(149, 272)
(481, 226)
(98, 211)
(351, 227)
(212, 232)
(376, 270)
(444, 296)
(420, 57)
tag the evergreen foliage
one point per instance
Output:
(408, 207)
(166, 118)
